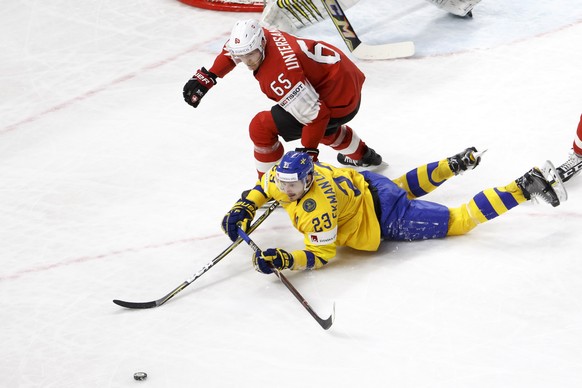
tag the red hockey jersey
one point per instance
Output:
(312, 80)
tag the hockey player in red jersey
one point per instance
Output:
(316, 87)
(573, 165)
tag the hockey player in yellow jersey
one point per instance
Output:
(334, 207)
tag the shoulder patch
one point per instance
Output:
(309, 205)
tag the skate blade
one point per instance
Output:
(478, 154)
(553, 177)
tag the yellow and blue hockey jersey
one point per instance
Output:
(338, 210)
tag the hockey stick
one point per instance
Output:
(203, 270)
(355, 45)
(325, 323)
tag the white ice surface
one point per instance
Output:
(111, 187)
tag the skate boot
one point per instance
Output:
(534, 184)
(466, 160)
(370, 158)
(571, 167)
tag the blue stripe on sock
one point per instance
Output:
(413, 185)
(430, 168)
(508, 200)
(485, 206)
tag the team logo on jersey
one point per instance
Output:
(309, 205)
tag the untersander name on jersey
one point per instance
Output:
(285, 50)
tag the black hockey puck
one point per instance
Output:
(139, 376)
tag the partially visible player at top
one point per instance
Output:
(317, 91)
(293, 15)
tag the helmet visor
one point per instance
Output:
(252, 60)
(292, 187)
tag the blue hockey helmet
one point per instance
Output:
(294, 174)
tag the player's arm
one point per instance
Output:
(313, 258)
(314, 131)
(243, 211)
(264, 190)
(223, 63)
(203, 80)
(296, 260)
(320, 233)
(302, 101)
(319, 236)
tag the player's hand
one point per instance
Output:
(241, 214)
(197, 86)
(278, 258)
(312, 152)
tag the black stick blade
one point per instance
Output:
(136, 305)
(154, 303)
(326, 323)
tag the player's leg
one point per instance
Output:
(352, 151)
(404, 219)
(491, 203)
(461, 8)
(426, 178)
(338, 136)
(401, 218)
(268, 150)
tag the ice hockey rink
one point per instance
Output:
(111, 187)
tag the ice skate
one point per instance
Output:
(370, 159)
(553, 176)
(466, 160)
(535, 185)
(571, 167)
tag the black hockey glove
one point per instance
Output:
(278, 258)
(312, 152)
(197, 86)
(242, 213)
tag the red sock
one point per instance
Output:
(347, 142)
(578, 139)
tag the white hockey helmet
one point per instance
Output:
(246, 36)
